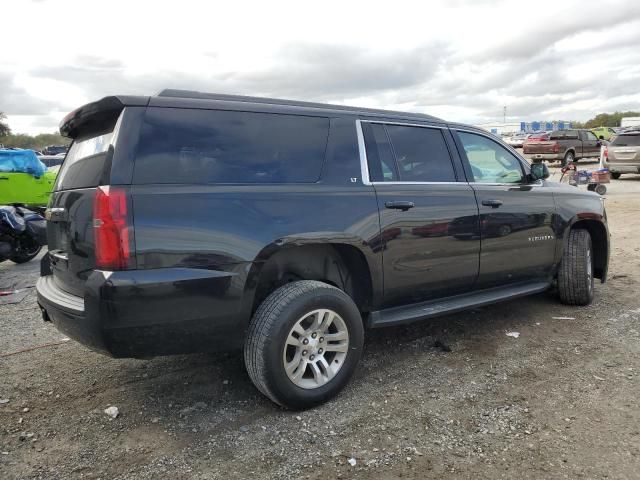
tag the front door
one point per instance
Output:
(518, 242)
(428, 219)
(590, 144)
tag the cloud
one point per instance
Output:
(16, 100)
(465, 57)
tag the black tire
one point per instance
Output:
(600, 189)
(26, 255)
(569, 157)
(575, 276)
(615, 175)
(268, 331)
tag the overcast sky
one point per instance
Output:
(461, 60)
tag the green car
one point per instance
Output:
(604, 132)
(24, 179)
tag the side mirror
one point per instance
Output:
(539, 171)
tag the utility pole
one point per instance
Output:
(504, 114)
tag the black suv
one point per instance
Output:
(190, 221)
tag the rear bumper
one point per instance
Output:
(142, 313)
(623, 167)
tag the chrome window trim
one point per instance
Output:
(405, 124)
(364, 164)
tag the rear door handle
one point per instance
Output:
(401, 205)
(492, 203)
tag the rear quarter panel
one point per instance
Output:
(238, 227)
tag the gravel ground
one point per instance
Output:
(559, 401)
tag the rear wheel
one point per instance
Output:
(600, 189)
(569, 157)
(575, 276)
(303, 344)
(615, 175)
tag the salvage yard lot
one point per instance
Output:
(558, 401)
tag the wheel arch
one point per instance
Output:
(343, 265)
(599, 241)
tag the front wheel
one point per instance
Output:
(615, 175)
(575, 276)
(303, 344)
(27, 251)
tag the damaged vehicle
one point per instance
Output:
(189, 221)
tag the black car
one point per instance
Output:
(55, 150)
(188, 221)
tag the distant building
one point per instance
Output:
(500, 128)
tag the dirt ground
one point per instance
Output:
(559, 401)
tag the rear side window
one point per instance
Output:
(626, 141)
(212, 146)
(421, 154)
(84, 165)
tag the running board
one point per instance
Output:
(434, 308)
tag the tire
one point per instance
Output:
(600, 189)
(25, 255)
(575, 276)
(267, 348)
(615, 175)
(569, 157)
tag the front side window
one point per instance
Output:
(591, 136)
(490, 162)
(421, 154)
(214, 146)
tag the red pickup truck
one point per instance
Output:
(564, 145)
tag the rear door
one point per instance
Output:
(516, 218)
(625, 149)
(428, 213)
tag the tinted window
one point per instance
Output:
(490, 162)
(626, 141)
(421, 154)
(84, 165)
(564, 135)
(211, 146)
(379, 155)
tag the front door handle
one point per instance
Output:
(401, 205)
(492, 203)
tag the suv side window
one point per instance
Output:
(490, 162)
(382, 167)
(214, 146)
(421, 154)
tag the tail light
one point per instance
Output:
(605, 153)
(556, 147)
(111, 229)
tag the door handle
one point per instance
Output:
(401, 205)
(492, 203)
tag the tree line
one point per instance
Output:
(22, 140)
(606, 120)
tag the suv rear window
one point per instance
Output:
(84, 165)
(213, 146)
(627, 140)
